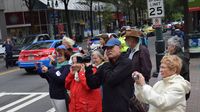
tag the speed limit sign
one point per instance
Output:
(155, 8)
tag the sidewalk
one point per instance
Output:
(193, 102)
(3, 67)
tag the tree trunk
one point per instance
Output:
(135, 13)
(91, 18)
(68, 20)
(186, 28)
(30, 14)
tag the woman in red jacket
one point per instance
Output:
(82, 98)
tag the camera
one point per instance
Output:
(135, 76)
(84, 59)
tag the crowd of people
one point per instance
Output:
(104, 80)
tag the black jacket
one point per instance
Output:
(118, 86)
(185, 64)
(8, 47)
(141, 61)
(56, 79)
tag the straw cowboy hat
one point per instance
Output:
(133, 33)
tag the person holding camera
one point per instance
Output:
(55, 77)
(98, 58)
(168, 94)
(115, 78)
(82, 98)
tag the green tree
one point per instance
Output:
(172, 7)
(177, 16)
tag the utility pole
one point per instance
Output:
(156, 12)
(186, 28)
(99, 13)
(91, 18)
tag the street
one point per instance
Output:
(22, 92)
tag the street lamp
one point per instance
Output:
(54, 18)
(99, 8)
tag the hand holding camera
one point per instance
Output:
(138, 77)
(75, 68)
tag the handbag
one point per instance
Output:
(136, 106)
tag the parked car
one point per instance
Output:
(22, 43)
(37, 52)
(2, 49)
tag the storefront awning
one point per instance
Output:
(192, 9)
(73, 5)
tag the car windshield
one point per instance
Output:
(25, 41)
(29, 40)
(41, 45)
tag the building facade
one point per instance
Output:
(3, 31)
(44, 19)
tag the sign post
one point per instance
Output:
(156, 11)
(155, 8)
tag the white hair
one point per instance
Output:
(99, 54)
(74, 55)
(176, 41)
(68, 40)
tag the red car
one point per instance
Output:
(37, 52)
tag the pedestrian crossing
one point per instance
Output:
(25, 100)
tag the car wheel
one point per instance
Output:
(29, 70)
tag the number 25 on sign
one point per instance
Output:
(155, 8)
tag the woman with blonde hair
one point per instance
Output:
(68, 42)
(168, 94)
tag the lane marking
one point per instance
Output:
(51, 110)
(27, 103)
(38, 93)
(16, 102)
(2, 94)
(10, 71)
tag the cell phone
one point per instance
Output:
(135, 76)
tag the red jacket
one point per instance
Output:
(82, 98)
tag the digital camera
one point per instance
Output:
(84, 59)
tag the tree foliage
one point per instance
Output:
(172, 8)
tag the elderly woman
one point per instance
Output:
(98, 58)
(67, 42)
(82, 98)
(55, 77)
(174, 47)
(167, 95)
(71, 45)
